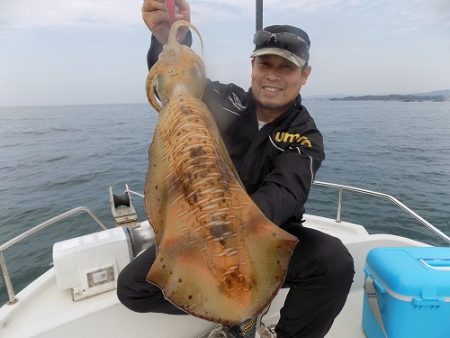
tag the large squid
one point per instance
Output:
(218, 256)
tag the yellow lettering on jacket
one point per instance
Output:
(285, 137)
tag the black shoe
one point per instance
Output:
(247, 329)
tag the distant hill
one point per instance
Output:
(434, 96)
(445, 93)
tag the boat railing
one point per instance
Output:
(3, 268)
(127, 189)
(341, 188)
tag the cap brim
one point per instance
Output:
(298, 61)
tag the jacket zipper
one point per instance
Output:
(250, 150)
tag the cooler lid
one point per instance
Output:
(412, 271)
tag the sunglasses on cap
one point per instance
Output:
(284, 40)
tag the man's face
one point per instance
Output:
(276, 82)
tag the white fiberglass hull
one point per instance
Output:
(45, 311)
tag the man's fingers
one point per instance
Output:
(182, 4)
(183, 9)
(157, 7)
(154, 13)
(153, 5)
(158, 15)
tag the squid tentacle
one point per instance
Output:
(150, 87)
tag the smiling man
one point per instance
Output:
(277, 149)
(279, 69)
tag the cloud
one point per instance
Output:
(222, 9)
(123, 13)
(413, 14)
(403, 12)
(51, 13)
(400, 15)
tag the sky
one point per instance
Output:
(64, 52)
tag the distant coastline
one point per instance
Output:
(393, 97)
(434, 96)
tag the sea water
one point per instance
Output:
(53, 159)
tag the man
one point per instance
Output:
(276, 149)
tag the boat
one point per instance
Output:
(77, 296)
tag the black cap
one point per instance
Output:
(293, 46)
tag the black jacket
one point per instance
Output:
(277, 163)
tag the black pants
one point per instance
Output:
(320, 274)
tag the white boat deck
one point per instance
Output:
(45, 311)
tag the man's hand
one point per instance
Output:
(155, 17)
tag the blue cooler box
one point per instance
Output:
(407, 293)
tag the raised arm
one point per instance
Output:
(155, 16)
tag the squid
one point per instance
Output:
(218, 256)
